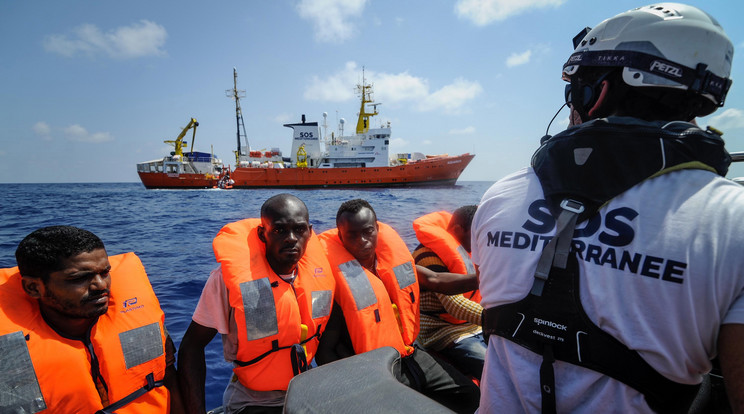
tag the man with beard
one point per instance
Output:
(81, 331)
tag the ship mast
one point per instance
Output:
(236, 94)
(366, 93)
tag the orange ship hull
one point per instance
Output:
(152, 180)
(443, 170)
(433, 171)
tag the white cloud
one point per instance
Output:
(453, 96)
(731, 118)
(80, 134)
(331, 18)
(516, 59)
(283, 118)
(398, 143)
(144, 38)
(393, 88)
(43, 130)
(463, 131)
(427, 142)
(483, 12)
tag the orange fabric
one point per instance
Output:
(63, 366)
(374, 326)
(365, 332)
(431, 231)
(243, 258)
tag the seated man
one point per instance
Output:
(450, 324)
(81, 331)
(377, 292)
(270, 299)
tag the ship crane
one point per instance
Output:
(178, 142)
(236, 94)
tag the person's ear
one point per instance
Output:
(261, 235)
(33, 286)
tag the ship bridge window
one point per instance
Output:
(387, 142)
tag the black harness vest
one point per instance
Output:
(609, 157)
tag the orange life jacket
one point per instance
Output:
(279, 324)
(51, 373)
(373, 312)
(431, 231)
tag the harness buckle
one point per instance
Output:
(572, 206)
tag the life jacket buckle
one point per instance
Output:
(572, 206)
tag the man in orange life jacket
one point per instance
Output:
(377, 298)
(81, 331)
(270, 299)
(450, 324)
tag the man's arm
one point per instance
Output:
(447, 283)
(462, 308)
(192, 368)
(170, 379)
(731, 356)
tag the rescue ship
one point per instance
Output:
(321, 161)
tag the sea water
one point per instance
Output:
(172, 231)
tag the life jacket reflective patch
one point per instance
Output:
(322, 303)
(405, 275)
(259, 309)
(142, 344)
(465, 257)
(18, 381)
(361, 289)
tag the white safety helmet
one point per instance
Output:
(667, 45)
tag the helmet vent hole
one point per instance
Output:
(593, 40)
(636, 75)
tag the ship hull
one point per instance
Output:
(438, 171)
(153, 180)
(431, 172)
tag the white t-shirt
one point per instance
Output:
(661, 268)
(214, 311)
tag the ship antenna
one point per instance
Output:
(236, 94)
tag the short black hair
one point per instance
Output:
(269, 207)
(353, 207)
(464, 216)
(41, 253)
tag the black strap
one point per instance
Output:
(151, 384)
(698, 79)
(299, 359)
(547, 381)
(275, 347)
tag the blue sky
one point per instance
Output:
(90, 88)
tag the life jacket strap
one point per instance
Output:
(297, 355)
(151, 384)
